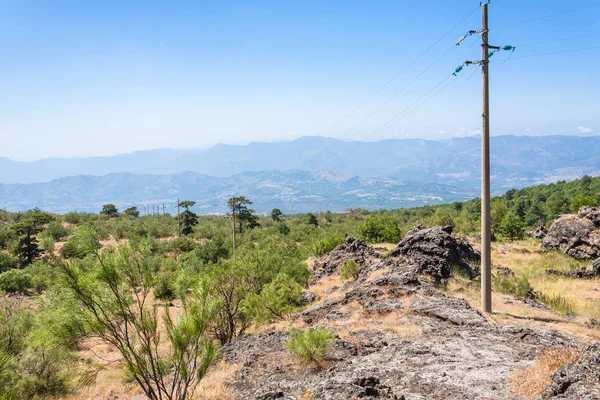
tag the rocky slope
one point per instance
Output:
(398, 336)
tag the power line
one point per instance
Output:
(547, 16)
(395, 118)
(410, 64)
(556, 52)
(559, 40)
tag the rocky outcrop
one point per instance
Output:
(576, 235)
(398, 337)
(435, 251)
(351, 249)
(580, 380)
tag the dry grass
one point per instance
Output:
(529, 382)
(216, 384)
(583, 294)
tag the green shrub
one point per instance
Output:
(83, 242)
(310, 345)
(324, 246)
(15, 281)
(350, 270)
(184, 244)
(283, 228)
(511, 285)
(512, 227)
(42, 275)
(164, 284)
(7, 261)
(56, 231)
(278, 298)
(380, 228)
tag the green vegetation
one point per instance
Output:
(310, 345)
(131, 281)
(349, 270)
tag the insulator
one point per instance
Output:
(491, 53)
(457, 70)
(507, 48)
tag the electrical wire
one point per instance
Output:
(558, 40)
(395, 118)
(410, 64)
(557, 52)
(546, 16)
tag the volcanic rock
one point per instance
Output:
(576, 235)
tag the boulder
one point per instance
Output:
(435, 251)
(575, 235)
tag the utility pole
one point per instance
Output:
(178, 220)
(486, 248)
(233, 214)
(164, 221)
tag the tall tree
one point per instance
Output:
(189, 218)
(132, 212)
(27, 249)
(244, 215)
(110, 210)
(276, 214)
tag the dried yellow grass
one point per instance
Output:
(529, 382)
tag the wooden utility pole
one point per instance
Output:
(233, 214)
(178, 220)
(164, 221)
(486, 248)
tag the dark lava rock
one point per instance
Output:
(352, 249)
(435, 251)
(308, 297)
(575, 235)
(577, 381)
(504, 271)
(583, 273)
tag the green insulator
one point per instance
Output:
(507, 48)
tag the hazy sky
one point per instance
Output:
(81, 78)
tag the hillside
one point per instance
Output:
(517, 161)
(294, 191)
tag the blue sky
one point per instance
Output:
(106, 77)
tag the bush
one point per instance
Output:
(511, 285)
(83, 242)
(380, 228)
(6, 261)
(310, 345)
(349, 270)
(15, 281)
(164, 285)
(511, 227)
(278, 298)
(184, 244)
(324, 246)
(56, 231)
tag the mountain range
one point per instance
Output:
(292, 191)
(309, 173)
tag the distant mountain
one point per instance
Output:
(292, 191)
(517, 161)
